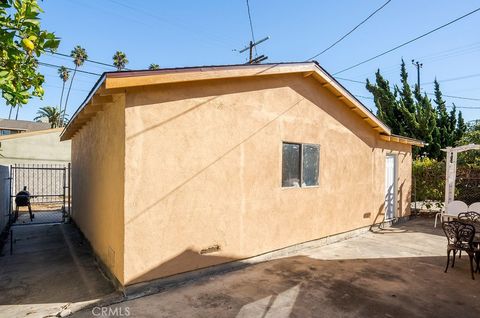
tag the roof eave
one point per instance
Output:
(118, 80)
(403, 140)
(98, 84)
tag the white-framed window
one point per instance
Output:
(300, 165)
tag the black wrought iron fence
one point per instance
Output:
(48, 189)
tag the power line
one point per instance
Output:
(73, 89)
(445, 95)
(193, 32)
(408, 42)
(251, 26)
(364, 97)
(68, 68)
(435, 57)
(91, 61)
(454, 79)
(449, 106)
(350, 80)
(466, 107)
(458, 97)
(349, 32)
(432, 94)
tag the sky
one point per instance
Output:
(210, 32)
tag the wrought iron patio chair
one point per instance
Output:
(472, 218)
(460, 238)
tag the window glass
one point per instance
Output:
(291, 165)
(311, 156)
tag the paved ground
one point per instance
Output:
(397, 272)
(50, 269)
(41, 216)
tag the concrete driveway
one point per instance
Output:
(396, 272)
(51, 270)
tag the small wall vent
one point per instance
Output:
(210, 249)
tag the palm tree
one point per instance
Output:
(120, 60)
(64, 74)
(52, 114)
(79, 56)
(154, 66)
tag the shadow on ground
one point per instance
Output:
(51, 266)
(301, 286)
(396, 274)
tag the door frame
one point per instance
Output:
(395, 188)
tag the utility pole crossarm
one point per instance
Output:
(250, 48)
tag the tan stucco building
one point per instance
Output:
(34, 147)
(180, 169)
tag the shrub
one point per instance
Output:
(428, 179)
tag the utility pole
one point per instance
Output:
(250, 47)
(418, 65)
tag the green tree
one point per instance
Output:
(452, 125)
(407, 106)
(470, 136)
(64, 74)
(22, 42)
(386, 103)
(461, 127)
(426, 119)
(443, 119)
(412, 114)
(153, 66)
(120, 60)
(79, 55)
(405, 93)
(52, 114)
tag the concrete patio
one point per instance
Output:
(394, 272)
(50, 271)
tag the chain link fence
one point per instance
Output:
(428, 185)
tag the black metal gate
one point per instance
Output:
(49, 189)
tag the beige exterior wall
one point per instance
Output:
(203, 167)
(42, 147)
(98, 152)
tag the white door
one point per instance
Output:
(390, 188)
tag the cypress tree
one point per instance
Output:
(461, 127)
(452, 125)
(405, 93)
(443, 121)
(407, 105)
(426, 124)
(386, 103)
(411, 114)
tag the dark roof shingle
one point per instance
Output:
(24, 125)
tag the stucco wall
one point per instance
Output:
(36, 147)
(203, 168)
(98, 152)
